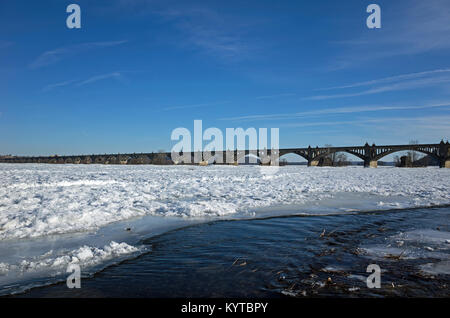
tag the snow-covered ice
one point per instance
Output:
(38, 200)
(83, 256)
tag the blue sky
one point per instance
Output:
(138, 69)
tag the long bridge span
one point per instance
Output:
(370, 154)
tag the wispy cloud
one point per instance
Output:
(200, 27)
(263, 97)
(275, 96)
(205, 29)
(194, 106)
(90, 80)
(390, 79)
(56, 85)
(56, 55)
(411, 126)
(93, 79)
(407, 85)
(338, 110)
(431, 128)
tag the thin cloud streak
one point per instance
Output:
(53, 56)
(276, 96)
(425, 122)
(389, 88)
(78, 83)
(388, 79)
(339, 110)
(194, 106)
(115, 75)
(56, 85)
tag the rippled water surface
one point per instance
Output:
(293, 256)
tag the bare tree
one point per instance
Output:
(332, 156)
(337, 158)
(340, 159)
(413, 155)
(397, 161)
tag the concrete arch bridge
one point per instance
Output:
(370, 154)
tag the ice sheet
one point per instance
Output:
(38, 200)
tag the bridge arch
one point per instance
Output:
(292, 152)
(123, 159)
(99, 159)
(140, 160)
(112, 160)
(86, 160)
(325, 153)
(292, 157)
(330, 157)
(380, 155)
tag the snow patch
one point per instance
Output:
(85, 256)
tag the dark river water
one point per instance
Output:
(297, 256)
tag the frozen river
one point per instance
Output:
(95, 215)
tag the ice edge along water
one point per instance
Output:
(52, 215)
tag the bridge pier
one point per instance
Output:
(313, 163)
(444, 163)
(370, 164)
(87, 160)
